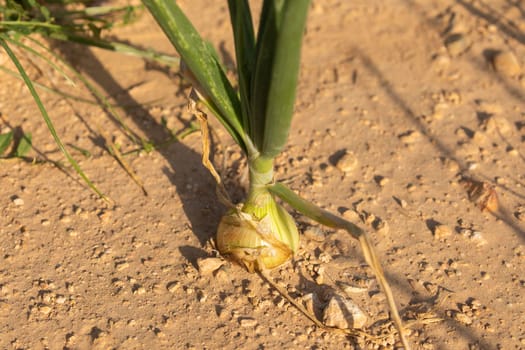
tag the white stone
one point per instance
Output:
(343, 314)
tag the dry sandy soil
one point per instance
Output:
(416, 90)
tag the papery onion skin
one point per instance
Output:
(252, 243)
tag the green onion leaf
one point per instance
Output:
(276, 72)
(244, 37)
(202, 63)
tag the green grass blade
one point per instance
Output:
(96, 93)
(202, 63)
(86, 153)
(27, 26)
(277, 69)
(24, 146)
(48, 89)
(39, 55)
(45, 115)
(244, 37)
(5, 141)
(152, 55)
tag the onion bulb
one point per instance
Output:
(262, 241)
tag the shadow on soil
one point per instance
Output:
(445, 151)
(195, 186)
(483, 10)
(442, 149)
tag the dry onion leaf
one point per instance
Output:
(482, 194)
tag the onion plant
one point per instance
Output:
(259, 233)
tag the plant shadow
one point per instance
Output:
(444, 150)
(195, 186)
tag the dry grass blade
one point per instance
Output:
(351, 332)
(114, 151)
(326, 218)
(373, 261)
(285, 294)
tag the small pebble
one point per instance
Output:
(18, 201)
(60, 299)
(457, 44)
(320, 277)
(452, 165)
(472, 165)
(47, 296)
(438, 111)
(485, 275)
(209, 265)
(381, 226)
(72, 233)
(462, 318)
(247, 322)
(441, 231)
(480, 138)
(351, 215)
(410, 137)
(489, 107)
(105, 216)
(475, 304)
(441, 61)
(478, 238)
(202, 296)
(45, 309)
(343, 314)
(506, 63)
(139, 290)
(382, 181)
(512, 152)
(172, 287)
(347, 163)
(520, 215)
(65, 219)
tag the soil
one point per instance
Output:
(409, 121)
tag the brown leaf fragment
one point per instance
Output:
(482, 194)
